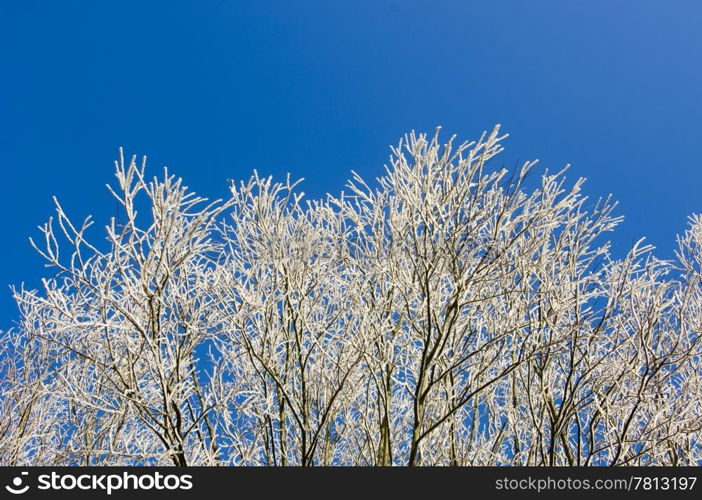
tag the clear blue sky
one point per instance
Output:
(214, 89)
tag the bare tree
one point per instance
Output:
(119, 329)
(448, 313)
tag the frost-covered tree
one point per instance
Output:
(449, 313)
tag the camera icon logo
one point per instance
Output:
(17, 483)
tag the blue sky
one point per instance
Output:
(214, 89)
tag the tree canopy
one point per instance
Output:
(448, 313)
